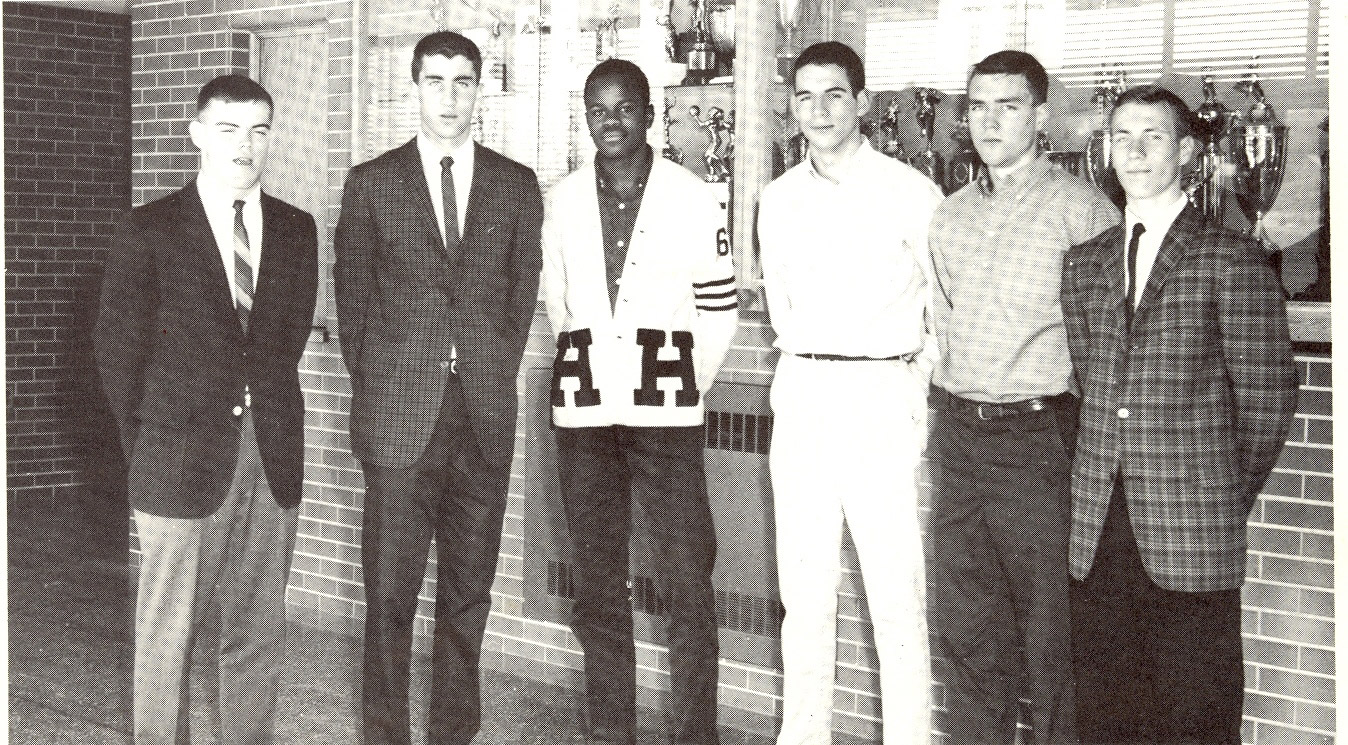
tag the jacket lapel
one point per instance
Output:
(1110, 247)
(274, 231)
(476, 189)
(413, 179)
(196, 235)
(1188, 223)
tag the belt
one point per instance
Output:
(848, 358)
(989, 411)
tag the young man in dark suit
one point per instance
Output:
(206, 306)
(1179, 338)
(437, 272)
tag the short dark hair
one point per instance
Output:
(621, 69)
(233, 88)
(1013, 62)
(450, 45)
(1180, 114)
(833, 53)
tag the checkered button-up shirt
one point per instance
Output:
(998, 263)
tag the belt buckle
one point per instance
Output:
(989, 407)
(454, 366)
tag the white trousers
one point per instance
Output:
(846, 445)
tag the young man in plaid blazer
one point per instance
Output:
(437, 271)
(1179, 338)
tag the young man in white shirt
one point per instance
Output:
(846, 269)
(641, 293)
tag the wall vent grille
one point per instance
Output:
(740, 433)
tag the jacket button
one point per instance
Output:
(1123, 413)
(238, 411)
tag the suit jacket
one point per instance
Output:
(403, 302)
(1192, 405)
(175, 360)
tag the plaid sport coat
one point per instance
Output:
(404, 302)
(1192, 405)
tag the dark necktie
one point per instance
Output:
(243, 267)
(451, 203)
(1138, 230)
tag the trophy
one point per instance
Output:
(928, 162)
(711, 158)
(1097, 149)
(787, 16)
(889, 131)
(666, 22)
(702, 57)
(1207, 191)
(965, 163)
(606, 35)
(797, 148)
(728, 155)
(669, 152)
(721, 25)
(1259, 154)
(789, 145)
(1067, 160)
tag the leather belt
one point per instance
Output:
(848, 358)
(990, 411)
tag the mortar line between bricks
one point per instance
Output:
(1285, 725)
(1298, 671)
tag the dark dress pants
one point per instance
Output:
(999, 603)
(602, 470)
(1152, 665)
(452, 494)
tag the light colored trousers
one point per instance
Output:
(846, 444)
(240, 557)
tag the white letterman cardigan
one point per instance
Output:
(678, 277)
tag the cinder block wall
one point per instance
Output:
(178, 45)
(67, 76)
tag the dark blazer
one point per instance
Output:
(403, 302)
(1193, 405)
(174, 358)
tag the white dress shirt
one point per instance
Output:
(463, 177)
(1157, 223)
(219, 205)
(845, 263)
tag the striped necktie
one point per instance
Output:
(243, 267)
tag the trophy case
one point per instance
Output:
(1256, 74)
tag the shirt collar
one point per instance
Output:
(431, 153)
(1019, 180)
(843, 170)
(213, 197)
(647, 163)
(1158, 219)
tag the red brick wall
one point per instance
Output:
(67, 75)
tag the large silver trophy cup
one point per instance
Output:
(1259, 156)
(1211, 176)
(1259, 153)
(1098, 156)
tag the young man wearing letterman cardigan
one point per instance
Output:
(641, 293)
